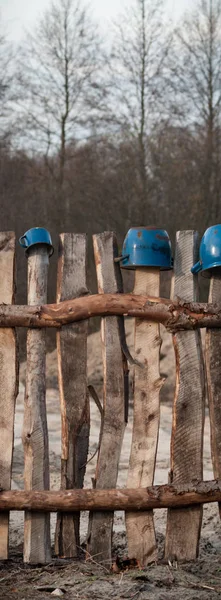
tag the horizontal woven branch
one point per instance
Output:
(175, 316)
(159, 496)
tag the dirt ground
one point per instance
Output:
(88, 580)
(82, 580)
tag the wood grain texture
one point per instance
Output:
(139, 500)
(184, 526)
(72, 378)
(147, 383)
(213, 368)
(8, 379)
(37, 545)
(109, 280)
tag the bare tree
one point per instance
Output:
(196, 83)
(7, 88)
(176, 177)
(139, 67)
(59, 72)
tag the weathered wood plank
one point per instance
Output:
(8, 379)
(142, 499)
(147, 383)
(213, 369)
(72, 378)
(109, 280)
(184, 525)
(37, 545)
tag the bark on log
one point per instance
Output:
(72, 378)
(147, 383)
(175, 316)
(184, 525)
(159, 496)
(8, 379)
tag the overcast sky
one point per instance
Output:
(20, 14)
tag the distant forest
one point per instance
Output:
(104, 133)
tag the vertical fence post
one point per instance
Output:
(8, 379)
(147, 383)
(72, 377)
(113, 426)
(184, 525)
(213, 368)
(37, 546)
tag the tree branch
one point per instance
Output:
(175, 316)
(159, 496)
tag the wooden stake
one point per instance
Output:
(139, 500)
(113, 426)
(8, 379)
(213, 368)
(147, 383)
(37, 546)
(184, 525)
(72, 377)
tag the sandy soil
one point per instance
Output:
(84, 580)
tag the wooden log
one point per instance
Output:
(113, 425)
(147, 383)
(213, 369)
(175, 316)
(37, 545)
(8, 379)
(72, 378)
(158, 496)
(184, 525)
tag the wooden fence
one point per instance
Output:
(183, 315)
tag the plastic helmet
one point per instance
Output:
(210, 250)
(147, 247)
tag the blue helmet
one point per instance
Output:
(147, 247)
(210, 250)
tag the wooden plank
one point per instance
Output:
(72, 377)
(213, 369)
(147, 383)
(184, 525)
(109, 280)
(8, 379)
(37, 545)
